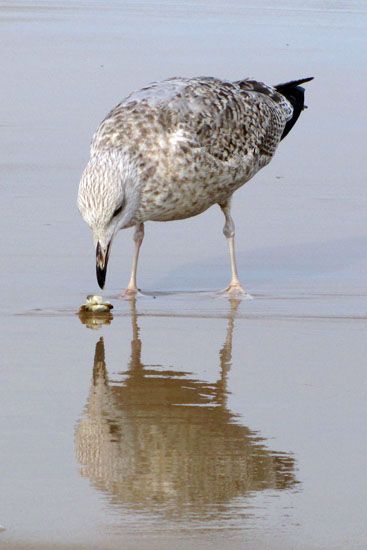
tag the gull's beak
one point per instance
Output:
(101, 263)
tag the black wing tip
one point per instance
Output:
(295, 94)
(293, 83)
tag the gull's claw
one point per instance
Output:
(131, 293)
(234, 290)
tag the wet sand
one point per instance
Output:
(187, 420)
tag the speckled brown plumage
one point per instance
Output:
(174, 148)
(194, 141)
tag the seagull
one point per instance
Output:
(173, 149)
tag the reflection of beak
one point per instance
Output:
(101, 263)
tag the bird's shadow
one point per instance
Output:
(274, 265)
(150, 295)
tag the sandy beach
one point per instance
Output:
(187, 420)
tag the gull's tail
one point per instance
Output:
(296, 96)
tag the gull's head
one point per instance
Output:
(107, 201)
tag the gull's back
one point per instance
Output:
(194, 141)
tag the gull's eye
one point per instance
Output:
(118, 210)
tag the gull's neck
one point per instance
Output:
(116, 160)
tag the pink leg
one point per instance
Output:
(234, 288)
(132, 289)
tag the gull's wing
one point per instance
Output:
(232, 120)
(229, 120)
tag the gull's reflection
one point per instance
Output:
(163, 439)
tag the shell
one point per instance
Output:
(93, 299)
(95, 304)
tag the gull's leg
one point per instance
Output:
(132, 289)
(234, 287)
